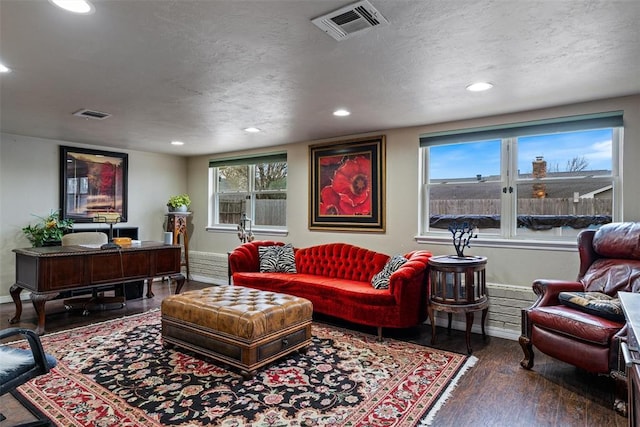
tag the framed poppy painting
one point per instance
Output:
(92, 183)
(347, 185)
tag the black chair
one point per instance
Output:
(17, 366)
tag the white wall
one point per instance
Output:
(29, 181)
(505, 266)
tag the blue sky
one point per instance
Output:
(470, 159)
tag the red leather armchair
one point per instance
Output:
(609, 262)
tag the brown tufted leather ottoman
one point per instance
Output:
(243, 327)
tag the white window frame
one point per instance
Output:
(507, 236)
(251, 193)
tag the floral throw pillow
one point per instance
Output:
(277, 259)
(596, 303)
(381, 280)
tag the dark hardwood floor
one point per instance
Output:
(495, 392)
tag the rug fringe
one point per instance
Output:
(427, 420)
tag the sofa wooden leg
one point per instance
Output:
(527, 349)
(380, 333)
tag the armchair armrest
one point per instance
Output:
(42, 363)
(548, 291)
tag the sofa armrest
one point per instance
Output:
(408, 284)
(245, 258)
(548, 291)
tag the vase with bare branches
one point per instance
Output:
(462, 234)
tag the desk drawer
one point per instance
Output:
(59, 273)
(112, 266)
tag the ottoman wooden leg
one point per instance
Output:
(247, 375)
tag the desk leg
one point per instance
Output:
(38, 301)
(468, 332)
(149, 290)
(433, 324)
(180, 279)
(15, 295)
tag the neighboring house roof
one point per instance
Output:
(597, 192)
(490, 188)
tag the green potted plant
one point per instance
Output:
(48, 231)
(179, 203)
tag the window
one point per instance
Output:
(541, 180)
(255, 186)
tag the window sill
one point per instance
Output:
(256, 231)
(546, 245)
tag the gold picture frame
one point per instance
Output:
(347, 185)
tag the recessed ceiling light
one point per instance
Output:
(479, 86)
(177, 143)
(4, 68)
(341, 113)
(82, 7)
(252, 130)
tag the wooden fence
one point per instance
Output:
(273, 212)
(560, 206)
(267, 212)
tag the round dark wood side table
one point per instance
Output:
(457, 285)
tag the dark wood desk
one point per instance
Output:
(48, 271)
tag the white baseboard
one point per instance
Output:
(24, 296)
(491, 331)
(207, 279)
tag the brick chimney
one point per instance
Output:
(539, 171)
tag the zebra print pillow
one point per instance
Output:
(277, 259)
(381, 280)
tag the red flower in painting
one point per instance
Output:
(107, 179)
(329, 201)
(330, 160)
(352, 182)
(328, 167)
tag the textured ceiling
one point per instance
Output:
(201, 71)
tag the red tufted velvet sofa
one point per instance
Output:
(336, 278)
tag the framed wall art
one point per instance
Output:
(92, 183)
(347, 180)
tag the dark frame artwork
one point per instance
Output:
(347, 180)
(92, 182)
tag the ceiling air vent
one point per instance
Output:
(349, 20)
(91, 114)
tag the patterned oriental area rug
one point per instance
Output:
(117, 373)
